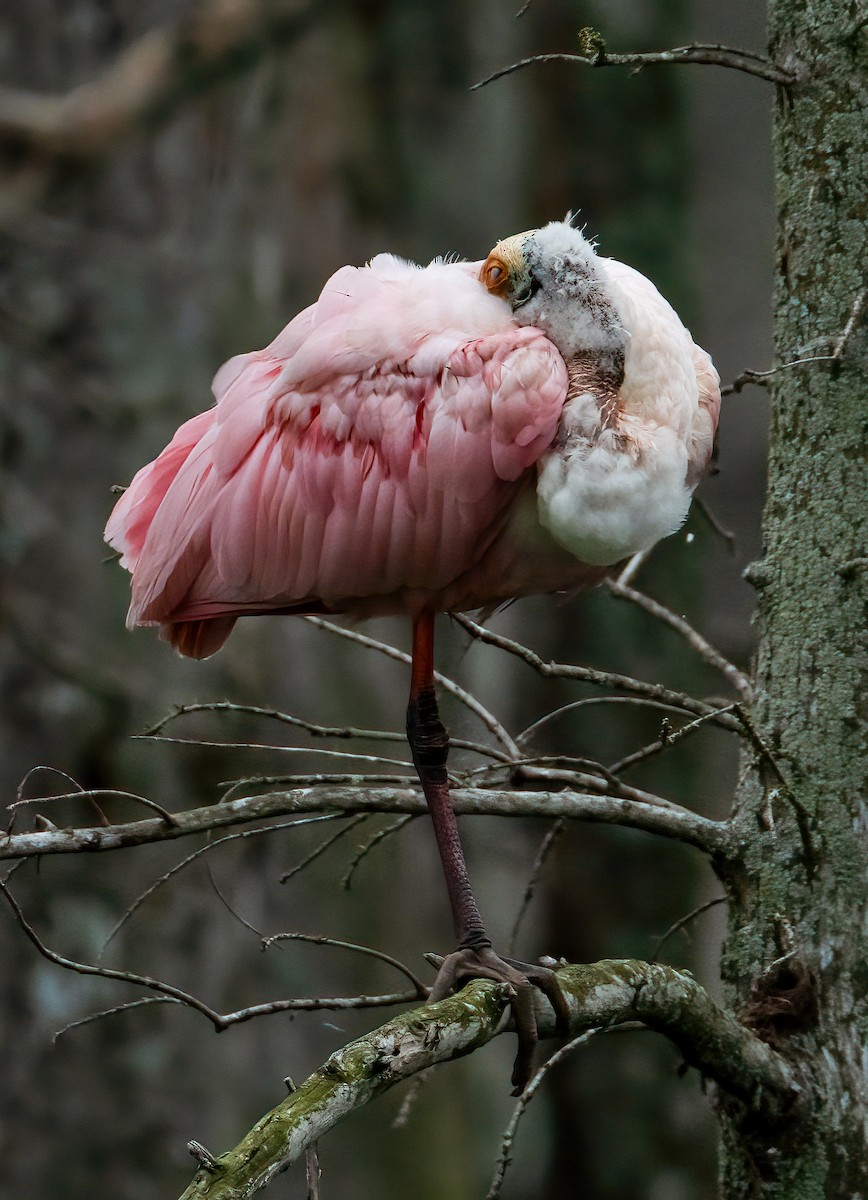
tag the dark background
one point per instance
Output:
(119, 297)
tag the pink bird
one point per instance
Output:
(423, 440)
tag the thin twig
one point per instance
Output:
(682, 922)
(546, 847)
(611, 679)
(669, 737)
(312, 727)
(273, 714)
(684, 629)
(69, 964)
(566, 708)
(705, 55)
(79, 793)
(357, 947)
(224, 900)
(104, 793)
(325, 845)
(839, 343)
(185, 862)
(449, 685)
(365, 849)
(218, 1020)
(715, 524)
(523, 1101)
(110, 1012)
(320, 751)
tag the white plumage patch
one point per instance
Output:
(606, 498)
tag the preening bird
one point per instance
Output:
(422, 440)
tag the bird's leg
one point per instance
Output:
(429, 743)
(474, 957)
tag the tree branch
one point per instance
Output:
(654, 692)
(357, 796)
(693, 637)
(595, 54)
(599, 995)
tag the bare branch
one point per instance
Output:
(185, 862)
(524, 1100)
(546, 847)
(324, 845)
(668, 738)
(370, 951)
(357, 796)
(595, 54)
(694, 639)
(219, 1020)
(838, 344)
(575, 704)
(449, 685)
(110, 1012)
(599, 995)
(682, 922)
(365, 849)
(611, 679)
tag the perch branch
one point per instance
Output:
(595, 54)
(356, 797)
(599, 995)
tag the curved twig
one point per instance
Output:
(626, 683)
(370, 951)
(694, 639)
(469, 701)
(505, 1156)
(185, 862)
(705, 55)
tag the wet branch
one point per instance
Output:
(600, 995)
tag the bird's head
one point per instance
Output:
(552, 279)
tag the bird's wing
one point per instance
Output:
(376, 458)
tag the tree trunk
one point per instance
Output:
(796, 957)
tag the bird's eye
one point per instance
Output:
(494, 275)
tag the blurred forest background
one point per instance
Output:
(120, 295)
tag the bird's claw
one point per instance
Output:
(465, 964)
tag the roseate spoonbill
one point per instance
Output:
(423, 440)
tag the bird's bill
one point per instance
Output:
(505, 272)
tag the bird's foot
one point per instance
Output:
(469, 963)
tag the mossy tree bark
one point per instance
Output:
(796, 960)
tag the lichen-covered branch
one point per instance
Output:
(357, 796)
(601, 994)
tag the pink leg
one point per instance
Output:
(474, 957)
(429, 744)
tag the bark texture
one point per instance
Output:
(796, 956)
